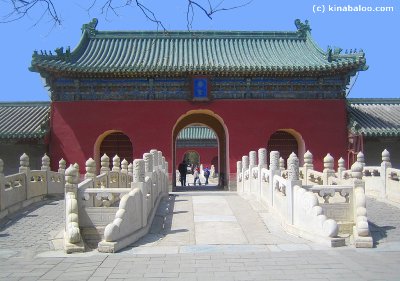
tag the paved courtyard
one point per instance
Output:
(203, 235)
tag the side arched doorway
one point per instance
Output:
(215, 123)
(286, 141)
(113, 143)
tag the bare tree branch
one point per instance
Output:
(212, 10)
(23, 8)
(19, 9)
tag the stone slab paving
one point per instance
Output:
(31, 231)
(384, 222)
(172, 251)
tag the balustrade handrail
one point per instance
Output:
(105, 190)
(302, 190)
(280, 180)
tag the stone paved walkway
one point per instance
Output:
(384, 222)
(29, 232)
(193, 243)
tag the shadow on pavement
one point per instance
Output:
(379, 233)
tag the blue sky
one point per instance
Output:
(375, 32)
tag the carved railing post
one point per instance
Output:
(308, 160)
(62, 165)
(130, 169)
(361, 229)
(24, 164)
(293, 180)
(139, 182)
(252, 159)
(262, 163)
(116, 164)
(262, 158)
(274, 160)
(341, 167)
(239, 175)
(165, 175)
(385, 165)
(361, 159)
(90, 169)
(130, 172)
(245, 172)
(252, 164)
(148, 170)
(308, 165)
(245, 166)
(281, 164)
(154, 152)
(293, 167)
(105, 164)
(160, 156)
(138, 170)
(24, 168)
(45, 163)
(329, 164)
(274, 171)
(124, 166)
(148, 163)
(163, 163)
(72, 237)
(78, 175)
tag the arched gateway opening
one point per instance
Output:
(214, 122)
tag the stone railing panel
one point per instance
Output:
(279, 196)
(14, 191)
(336, 202)
(125, 221)
(393, 184)
(96, 205)
(314, 177)
(100, 181)
(37, 184)
(113, 179)
(310, 217)
(55, 183)
(372, 179)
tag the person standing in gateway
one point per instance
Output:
(182, 172)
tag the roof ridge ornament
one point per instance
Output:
(302, 28)
(90, 27)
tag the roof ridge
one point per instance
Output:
(24, 103)
(204, 33)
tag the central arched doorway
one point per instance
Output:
(215, 123)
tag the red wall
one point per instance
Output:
(75, 126)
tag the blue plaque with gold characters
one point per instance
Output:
(200, 88)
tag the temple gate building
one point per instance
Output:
(127, 92)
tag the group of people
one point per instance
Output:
(195, 170)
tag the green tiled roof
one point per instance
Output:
(24, 120)
(177, 53)
(196, 133)
(375, 117)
